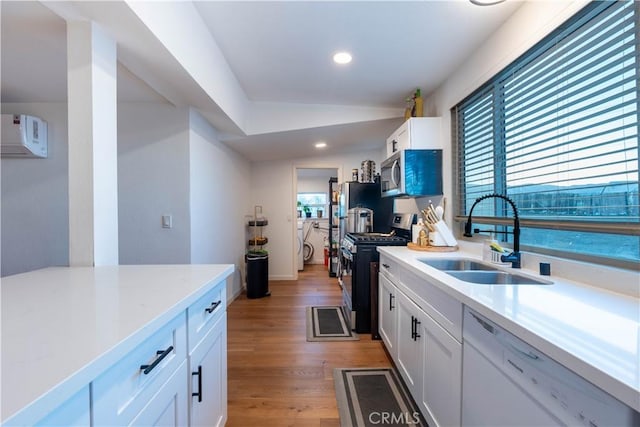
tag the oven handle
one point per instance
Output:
(345, 253)
(396, 165)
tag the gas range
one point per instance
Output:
(352, 240)
(358, 253)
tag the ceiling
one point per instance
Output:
(279, 53)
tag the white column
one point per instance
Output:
(93, 162)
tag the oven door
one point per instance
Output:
(345, 277)
(391, 176)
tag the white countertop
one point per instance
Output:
(592, 331)
(62, 326)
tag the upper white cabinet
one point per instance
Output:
(416, 133)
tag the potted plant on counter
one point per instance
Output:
(299, 209)
(307, 211)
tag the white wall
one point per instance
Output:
(528, 25)
(153, 180)
(219, 186)
(272, 186)
(35, 198)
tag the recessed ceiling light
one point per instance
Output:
(342, 58)
(320, 144)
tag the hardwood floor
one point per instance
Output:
(276, 377)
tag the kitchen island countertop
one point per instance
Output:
(63, 326)
(592, 331)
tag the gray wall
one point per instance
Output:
(35, 211)
(153, 180)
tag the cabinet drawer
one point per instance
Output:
(123, 390)
(204, 313)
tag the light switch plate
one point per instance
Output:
(166, 221)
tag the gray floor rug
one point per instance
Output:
(328, 324)
(374, 397)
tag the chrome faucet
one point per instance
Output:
(513, 257)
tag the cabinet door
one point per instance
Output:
(168, 407)
(399, 140)
(208, 364)
(442, 375)
(409, 360)
(73, 412)
(387, 313)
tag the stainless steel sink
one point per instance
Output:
(457, 264)
(496, 277)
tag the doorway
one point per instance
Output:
(312, 197)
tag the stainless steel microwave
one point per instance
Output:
(412, 173)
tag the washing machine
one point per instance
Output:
(300, 244)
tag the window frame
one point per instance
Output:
(494, 88)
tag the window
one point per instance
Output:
(315, 202)
(557, 132)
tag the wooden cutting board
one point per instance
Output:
(415, 247)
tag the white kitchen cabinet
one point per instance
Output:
(127, 361)
(208, 361)
(442, 375)
(207, 319)
(387, 315)
(425, 349)
(410, 349)
(74, 412)
(168, 407)
(122, 393)
(415, 133)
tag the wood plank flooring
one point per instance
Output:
(276, 377)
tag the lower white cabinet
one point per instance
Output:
(387, 316)
(208, 407)
(427, 356)
(123, 393)
(442, 375)
(409, 360)
(75, 412)
(207, 320)
(168, 407)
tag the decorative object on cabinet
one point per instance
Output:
(334, 224)
(362, 393)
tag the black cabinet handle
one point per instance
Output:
(417, 335)
(199, 374)
(213, 306)
(413, 328)
(161, 355)
(386, 265)
(393, 146)
(391, 297)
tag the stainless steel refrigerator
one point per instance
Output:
(365, 195)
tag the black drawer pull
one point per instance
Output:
(386, 265)
(161, 355)
(213, 306)
(391, 297)
(199, 374)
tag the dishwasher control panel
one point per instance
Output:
(561, 392)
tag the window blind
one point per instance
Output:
(557, 130)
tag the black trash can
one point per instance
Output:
(257, 274)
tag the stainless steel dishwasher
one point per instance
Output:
(506, 382)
